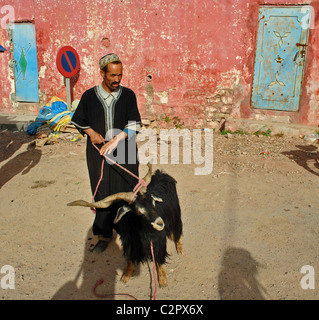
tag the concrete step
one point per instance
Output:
(18, 121)
(14, 122)
(252, 126)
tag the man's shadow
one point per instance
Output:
(107, 265)
(237, 278)
(305, 156)
(23, 162)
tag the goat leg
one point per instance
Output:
(161, 274)
(126, 276)
(178, 244)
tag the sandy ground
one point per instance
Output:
(249, 226)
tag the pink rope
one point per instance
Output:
(98, 184)
(126, 294)
(154, 272)
(111, 294)
(141, 183)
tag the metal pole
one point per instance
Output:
(68, 92)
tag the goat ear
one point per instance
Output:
(156, 199)
(121, 212)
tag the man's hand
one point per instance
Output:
(111, 145)
(95, 137)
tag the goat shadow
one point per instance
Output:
(306, 157)
(237, 278)
(107, 265)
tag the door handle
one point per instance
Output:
(301, 45)
(296, 55)
(303, 50)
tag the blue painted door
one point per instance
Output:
(26, 65)
(280, 55)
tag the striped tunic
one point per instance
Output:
(109, 114)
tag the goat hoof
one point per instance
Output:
(162, 283)
(179, 251)
(125, 278)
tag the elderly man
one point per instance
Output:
(108, 115)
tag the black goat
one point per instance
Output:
(153, 216)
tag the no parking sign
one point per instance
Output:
(68, 62)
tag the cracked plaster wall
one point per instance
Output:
(191, 59)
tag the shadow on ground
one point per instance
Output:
(97, 275)
(237, 278)
(305, 156)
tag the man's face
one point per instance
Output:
(113, 76)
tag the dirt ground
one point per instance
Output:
(249, 226)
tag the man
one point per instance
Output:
(109, 116)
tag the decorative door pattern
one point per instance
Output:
(280, 56)
(26, 66)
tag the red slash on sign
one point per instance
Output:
(68, 62)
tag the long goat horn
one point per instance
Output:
(147, 177)
(106, 202)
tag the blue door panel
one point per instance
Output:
(26, 66)
(280, 55)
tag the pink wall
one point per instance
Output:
(199, 53)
